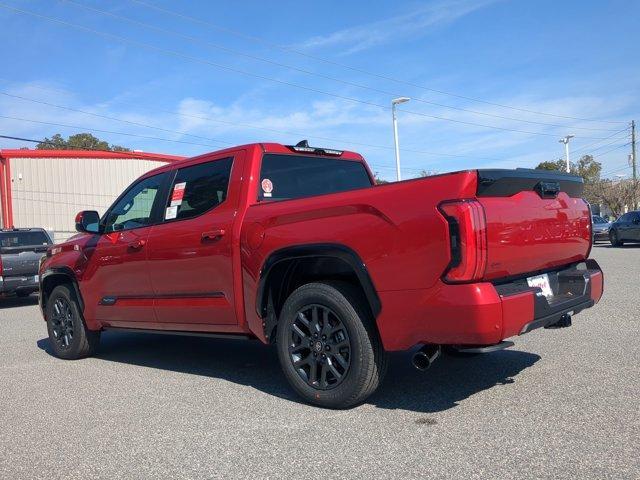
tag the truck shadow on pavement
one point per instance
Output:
(250, 363)
(13, 302)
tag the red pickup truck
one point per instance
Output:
(297, 246)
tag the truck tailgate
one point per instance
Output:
(21, 261)
(536, 220)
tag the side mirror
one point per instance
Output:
(88, 221)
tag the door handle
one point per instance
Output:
(213, 234)
(138, 244)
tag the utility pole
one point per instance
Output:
(565, 140)
(633, 161)
(633, 149)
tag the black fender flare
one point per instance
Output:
(315, 250)
(65, 272)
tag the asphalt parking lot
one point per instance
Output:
(561, 403)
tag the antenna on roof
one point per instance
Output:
(303, 143)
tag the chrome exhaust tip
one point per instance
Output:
(425, 357)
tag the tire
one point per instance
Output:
(346, 334)
(69, 336)
(615, 239)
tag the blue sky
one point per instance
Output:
(174, 71)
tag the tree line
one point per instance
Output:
(617, 195)
(80, 141)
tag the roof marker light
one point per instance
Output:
(303, 146)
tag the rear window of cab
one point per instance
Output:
(23, 239)
(286, 177)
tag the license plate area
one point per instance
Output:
(542, 282)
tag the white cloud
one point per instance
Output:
(331, 123)
(415, 23)
(321, 119)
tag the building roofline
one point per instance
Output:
(33, 153)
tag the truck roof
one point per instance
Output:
(269, 147)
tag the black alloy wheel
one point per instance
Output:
(62, 323)
(319, 347)
(328, 344)
(68, 334)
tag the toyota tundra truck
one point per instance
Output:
(298, 247)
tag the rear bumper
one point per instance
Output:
(597, 236)
(18, 284)
(484, 313)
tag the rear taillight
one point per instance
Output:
(468, 240)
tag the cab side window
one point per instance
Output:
(198, 188)
(138, 207)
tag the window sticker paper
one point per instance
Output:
(171, 212)
(178, 193)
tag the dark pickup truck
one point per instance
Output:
(20, 252)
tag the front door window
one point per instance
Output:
(137, 208)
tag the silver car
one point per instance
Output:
(600, 228)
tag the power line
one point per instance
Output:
(137, 155)
(615, 148)
(98, 130)
(590, 152)
(132, 154)
(611, 150)
(197, 40)
(318, 137)
(208, 145)
(599, 141)
(284, 132)
(115, 119)
(183, 133)
(609, 172)
(607, 145)
(262, 77)
(356, 69)
(615, 171)
(387, 167)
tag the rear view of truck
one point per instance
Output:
(523, 242)
(20, 253)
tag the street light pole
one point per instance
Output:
(394, 102)
(565, 140)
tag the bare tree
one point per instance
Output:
(378, 179)
(616, 195)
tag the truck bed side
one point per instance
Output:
(395, 229)
(403, 237)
